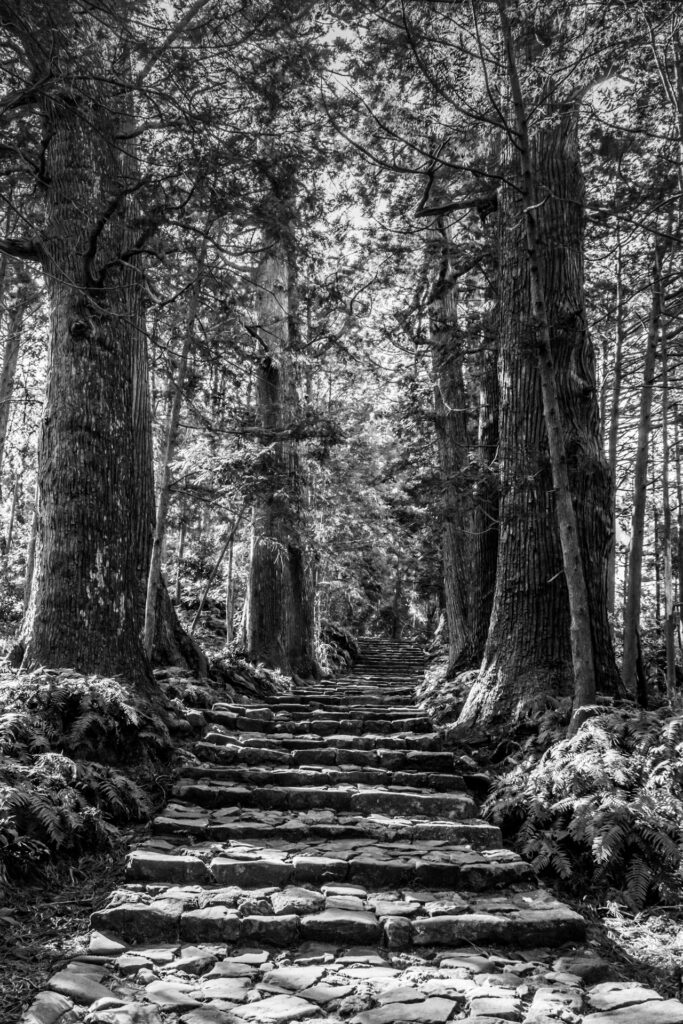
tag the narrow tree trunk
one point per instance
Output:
(169, 450)
(669, 621)
(396, 603)
(24, 294)
(31, 554)
(679, 519)
(635, 569)
(230, 595)
(181, 555)
(10, 525)
(614, 419)
(486, 494)
(450, 427)
(656, 553)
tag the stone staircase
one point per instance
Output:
(319, 848)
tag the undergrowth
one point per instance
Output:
(61, 738)
(602, 810)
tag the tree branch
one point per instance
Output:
(485, 204)
(173, 34)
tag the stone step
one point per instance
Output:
(381, 669)
(315, 707)
(359, 713)
(329, 725)
(318, 775)
(395, 760)
(353, 741)
(402, 802)
(358, 862)
(182, 820)
(356, 693)
(240, 723)
(284, 916)
(417, 742)
(328, 699)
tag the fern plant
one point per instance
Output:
(59, 805)
(54, 796)
(605, 807)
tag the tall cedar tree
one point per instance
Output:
(84, 603)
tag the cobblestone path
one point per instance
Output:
(322, 860)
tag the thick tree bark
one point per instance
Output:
(82, 611)
(280, 602)
(528, 654)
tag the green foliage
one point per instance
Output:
(604, 808)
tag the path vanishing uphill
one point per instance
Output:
(322, 860)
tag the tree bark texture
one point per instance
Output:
(528, 655)
(486, 490)
(450, 427)
(280, 602)
(615, 417)
(82, 611)
(667, 543)
(635, 566)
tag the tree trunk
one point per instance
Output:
(450, 427)
(679, 519)
(10, 525)
(396, 604)
(655, 556)
(230, 595)
(280, 620)
(549, 622)
(82, 611)
(181, 554)
(171, 436)
(486, 493)
(669, 624)
(23, 295)
(31, 554)
(614, 418)
(635, 569)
